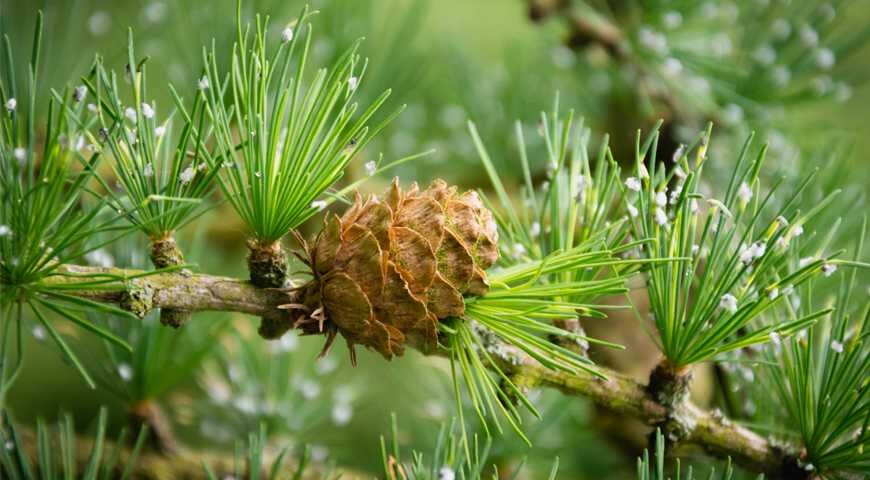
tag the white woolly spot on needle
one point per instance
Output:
(187, 175)
(744, 192)
(79, 93)
(446, 473)
(745, 253)
(130, 113)
(371, 168)
(125, 371)
(147, 110)
(287, 35)
(728, 302)
(661, 216)
(775, 338)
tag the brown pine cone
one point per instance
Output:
(392, 267)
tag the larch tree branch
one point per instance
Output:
(585, 28)
(619, 393)
(588, 28)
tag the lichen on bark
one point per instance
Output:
(138, 299)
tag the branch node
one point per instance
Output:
(669, 386)
(174, 318)
(165, 252)
(267, 264)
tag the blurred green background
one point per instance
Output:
(449, 61)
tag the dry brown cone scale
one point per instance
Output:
(393, 267)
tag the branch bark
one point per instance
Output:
(618, 393)
(191, 292)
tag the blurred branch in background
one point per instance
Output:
(28, 455)
(745, 65)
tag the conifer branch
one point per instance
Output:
(619, 393)
(623, 395)
(585, 28)
(589, 28)
(194, 293)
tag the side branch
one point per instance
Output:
(625, 396)
(194, 293)
(619, 393)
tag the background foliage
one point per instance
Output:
(450, 61)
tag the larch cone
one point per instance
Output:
(389, 270)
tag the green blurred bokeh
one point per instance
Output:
(450, 61)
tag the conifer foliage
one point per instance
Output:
(729, 258)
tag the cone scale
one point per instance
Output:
(394, 266)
